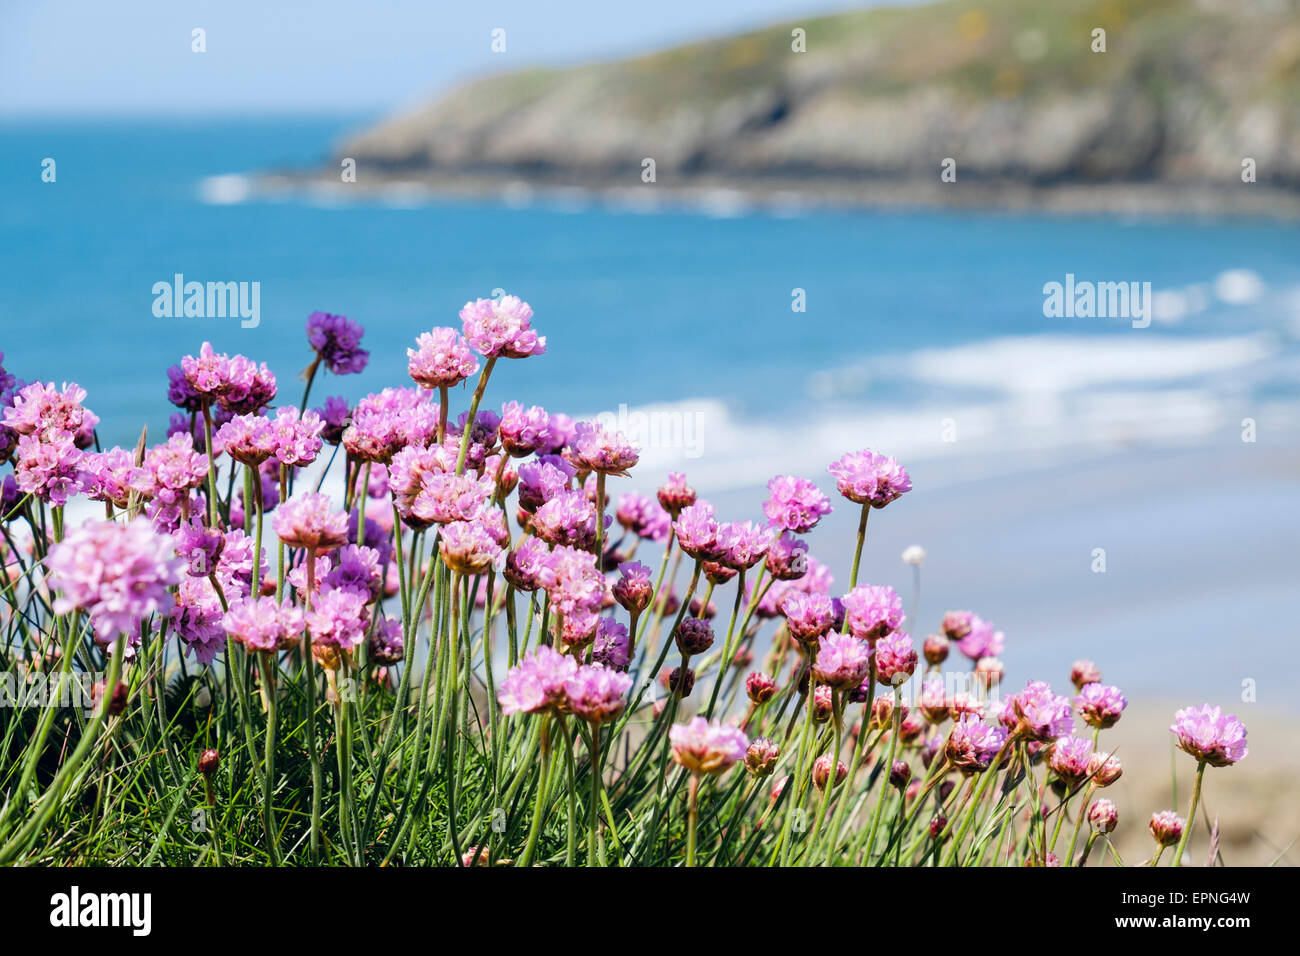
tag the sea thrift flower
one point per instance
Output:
(263, 624)
(899, 774)
(337, 415)
(895, 659)
(524, 430)
(310, 521)
(761, 757)
(1210, 735)
(107, 476)
(787, 558)
(914, 555)
(406, 475)
(934, 702)
(707, 747)
(174, 466)
(567, 519)
(536, 684)
(297, 438)
(1104, 768)
(680, 682)
(199, 547)
(611, 646)
(387, 646)
(633, 589)
(356, 568)
(808, 616)
(972, 744)
(49, 469)
(842, 661)
(795, 504)
(598, 449)
(643, 517)
(445, 497)
(1084, 673)
(760, 687)
(337, 342)
(982, 640)
(822, 772)
(196, 619)
(248, 439)
(249, 388)
(1039, 714)
(957, 624)
(872, 612)
(1100, 705)
(1166, 828)
(693, 636)
(501, 328)
(823, 704)
(870, 479)
(468, 547)
(742, 544)
(596, 693)
(528, 566)
(675, 494)
(1102, 816)
(441, 359)
(339, 619)
(1070, 758)
(576, 584)
(119, 574)
(989, 671)
(542, 480)
(697, 531)
(935, 649)
(44, 411)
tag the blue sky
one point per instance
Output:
(134, 57)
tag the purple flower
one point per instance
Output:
(694, 635)
(337, 415)
(872, 611)
(697, 531)
(794, 504)
(337, 341)
(787, 558)
(49, 469)
(264, 625)
(537, 683)
(576, 585)
(353, 567)
(1210, 735)
(1100, 705)
(542, 480)
(612, 647)
(44, 411)
(567, 519)
(981, 640)
(633, 589)
(868, 478)
(501, 327)
(842, 661)
(743, 544)
(807, 616)
(179, 392)
(387, 646)
(199, 547)
(1070, 758)
(339, 619)
(895, 659)
(310, 521)
(600, 450)
(707, 747)
(445, 497)
(524, 430)
(528, 566)
(643, 517)
(297, 438)
(119, 574)
(441, 359)
(196, 619)
(468, 547)
(1039, 714)
(596, 693)
(972, 744)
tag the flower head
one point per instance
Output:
(501, 327)
(537, 683)
(1102, 816)
(1038, 714)
(707, 747)
(1208, 734)
(794, 504)
(596, 693)
(310, 521)
(337, 341)
(895, 659)
(440, 359)
(870, 479)
(1100, 705)
(264, 624)
(972, 744)
(1166, 827)
(872, 611)
(842, 661)
(601, 450)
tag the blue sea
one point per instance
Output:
(924, 336)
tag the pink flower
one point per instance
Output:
(675, 494)
(633, 589)
(981, 640)
(528, 566)
(339, 619)
(49, 469)
(174, 466)
(567, 519)
(842, 661)
(872, 611)
(542, 480)
(1210, 735)
(119, 574)
(247, 439)
(868, 478)
(1070, 758)
(1166, 828)
(742, 544)
(596, 693)
(297, 437)
(972, 744)
(808, 616)
(697, 531)
(445, 497)
(264, 625)
(1103, 816)
(1038, 714)
(42, 410)
(524, 430)
(468, 547)
(441, 359)
(643, 516)
(787, 558)
(196, 619)
(501, 327)
(537, 683)
(577, 585)
(795, 504)
(386, 642)
(895, 659)
(310, 521)
(707, 747)
(1100, 705)
(822, 772)
(597, 449)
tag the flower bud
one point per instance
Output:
(1102, 816)
(680, 682)
(1166, 827)
(761, 756)
(1104, 768)
(899, 774)
(209, 761)
(822, 772)
(935, 649)
(937, 826)
(760, 687)
(1084, 672)
(694, 636)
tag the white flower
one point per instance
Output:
(915, 555)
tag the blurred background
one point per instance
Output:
(795, 280)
